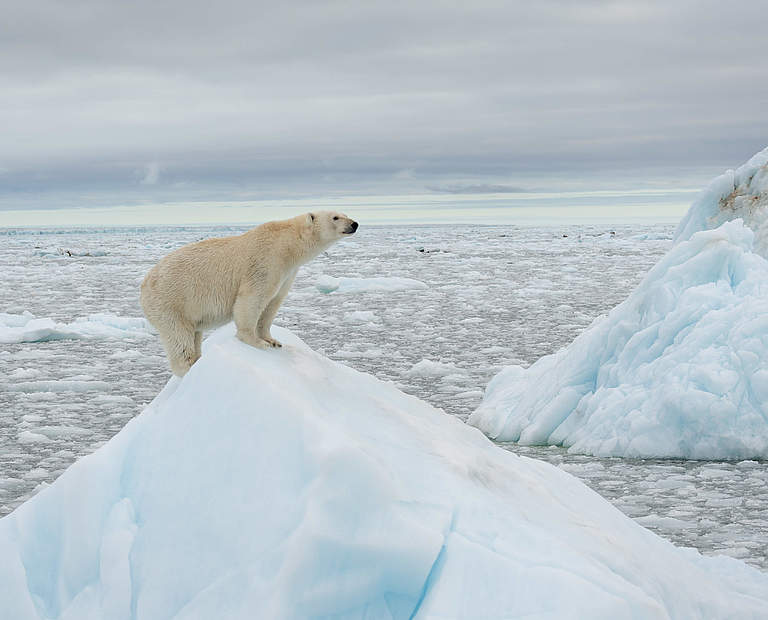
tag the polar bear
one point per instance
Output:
(245, 277)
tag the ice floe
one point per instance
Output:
(361, 316)
(330, 284)
(280, 484)
(431, 369)
(59, 385)
(25, 327)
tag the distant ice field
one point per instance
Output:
(438, 310)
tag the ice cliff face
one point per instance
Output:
(680, 368)
(279, 484)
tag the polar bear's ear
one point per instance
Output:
(310, 218)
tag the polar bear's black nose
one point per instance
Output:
(354, 226)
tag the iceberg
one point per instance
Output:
(280, 484)
(680, 368)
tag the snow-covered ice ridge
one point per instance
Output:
(680, 368)
(175, 517)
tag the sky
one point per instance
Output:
(187, 111)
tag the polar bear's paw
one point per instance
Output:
(271, 342)
(252, 339)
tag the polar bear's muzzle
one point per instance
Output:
(351, 228)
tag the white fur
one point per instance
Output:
(246, 277)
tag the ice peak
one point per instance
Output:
(735, 194)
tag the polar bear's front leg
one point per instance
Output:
(265, 320)
(249, 306)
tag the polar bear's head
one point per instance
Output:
(328, 226)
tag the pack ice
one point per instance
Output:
(280, 485)
(680, 368)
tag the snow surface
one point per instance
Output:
(26, 328)
(679, 369)
(234, 497)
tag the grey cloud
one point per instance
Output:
(252, 97)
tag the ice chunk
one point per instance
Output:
(23, 373)
(361, 316)
(30, 437)
(279, 484)
(429, 368)
(329, 284)
(665, 523)
(61, 385)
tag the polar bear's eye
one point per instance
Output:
(335, 218)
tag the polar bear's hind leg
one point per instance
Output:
(182, 345)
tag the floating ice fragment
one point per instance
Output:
(23, 373)
(62, 385)
(30, 437)
(429, 368)
(329, 284)
(665, 523)
(361, 316)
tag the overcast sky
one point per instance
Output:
(120, 102)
